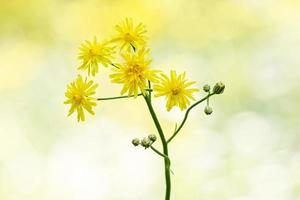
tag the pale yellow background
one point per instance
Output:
(248, 149)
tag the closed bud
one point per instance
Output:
(152, 137)
(146, 142)
(206, 88)
(219, 88)
(135, 141)
(208, 110)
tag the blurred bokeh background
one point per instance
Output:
(248, 149)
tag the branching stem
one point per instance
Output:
(161, 154)
(186, 116)
(165, 147)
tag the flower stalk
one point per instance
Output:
(186, 116)
(165, 147)
(117, 97)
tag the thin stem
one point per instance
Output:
(118, 97)
(155, 119)
(208, 98)
(164, 156)
(114, 65)
(186, 116)
(159, 153)
(165, 147)
(133, 47)
(150, 90)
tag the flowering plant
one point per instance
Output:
(136, 76)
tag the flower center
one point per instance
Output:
(78, 99)
(128, 37)
(94, 51)
(135, 69)
(176, 91)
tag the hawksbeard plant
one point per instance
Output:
(138, 79)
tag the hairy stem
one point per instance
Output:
(165, 147)
(186, 116)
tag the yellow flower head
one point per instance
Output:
(130, 36)
(134, 73)
(94, 53)
(175, 89)
(79, 96)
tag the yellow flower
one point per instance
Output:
(130, 36)
(79, 96)
(93, 53)
(134, 73)
(175, 89)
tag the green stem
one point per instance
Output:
(186, 116)
(114, 65)
(150, 90)
(161, 154)
(208, 98)
(118, 97)
(133, 47)
(165, 148)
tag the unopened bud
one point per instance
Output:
(206, 88)
(208, 110)
(219, 88)
(146, 142)
(152, 137)
(135, 141)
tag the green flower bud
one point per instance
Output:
(146, 142)
(206, 88)
(208, 110)
(152, 137)
(135, 141)
(219, 88)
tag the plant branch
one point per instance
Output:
(123, 97)
(165, 147)
(159, 153)
(186, 116)
(117, 97)
(164, 156)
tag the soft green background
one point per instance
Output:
(248, 149)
